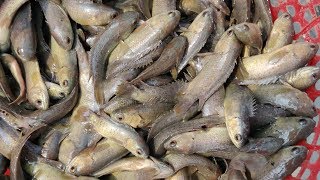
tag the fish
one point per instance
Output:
(275, 63)
(157, 144)
(141, 6)
(87, 12)
(238, 107)
(59, 23)
(286, 97)
(262, 17)
(55, 90)
(66, 61)
(95, 158)
(8, 139)
(179, 161)
(119, 102)
(220, 28)
(169, 59)
(190, 6)
(266, 114)
(197, 34)
(128, 54)
(302, 78)
(160, 6)
(8, 11)
(249, 34)
(241, 12)
(4, 162)
(4, 85)
(214, 105)
(129, 138)
(290, 129)
(10, 62)
(162, 170)
(281, 34)
(182, 174)
(51, 144)
(122, 26)
(159, 80)
(213, 75)
(140, 115)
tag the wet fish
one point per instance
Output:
(141, 115)
(162, 170)
(122, 26)
(59, 23)
(241, 12)
(286, 97)
(66, 61)
(182, 174)
(8, 11)
(197, 35)
(159, 80)
(141, 6)
(220, 28)
(87, 12)
(170, 58)
(266, 114)
(249, 34)
(213, 75)
(238, 107)
(262, 17)
(281, 34)
(190, 6)
(10, 62)
(55, 91)
(51, 145)
(214, 105)
(119, 102)
(4, 85)
(160, 6)
(129, 138)
(165, 134)
(128, 54)
(302, 78)
(290, 129)
(265, 68)
(94, 158)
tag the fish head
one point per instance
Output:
(67, 79)
(166, 22)
(238, 131)
(80, 165)
(128, 20)
(179, 144)
(39, 98)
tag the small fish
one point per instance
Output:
(266, 68)
(208, 81)
(179, 161)
(266, 114)
(94, 158)
(159, 80)
(8, 11)
(286, 97)
(4, 162)
(55, 90)
(10, 62)
(281, 34)
(162, 170)
(122, 26)
(197, 35)
(160, 6)
(87, 12)
(262, 17)
(220, 28)
(214, 105)
(141, 115)
(141, 6)
(290, 129)
(182, 174)
(190, 6)
(119, 102)
(170, 58)
(51, 144)
(302, 78)
(165, 134)
(129, 138)
(4, 85)
(241, 12)
(59, 24)
(128, 54)
(249, 34)
(238, 107)
(66, 61)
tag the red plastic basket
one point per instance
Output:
(306, 16)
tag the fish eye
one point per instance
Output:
(204, 127)
(314, 75)
(218, 9)
(302, 121)
(173, 143)
(62, 94)
(120, 117)
(39, 102)
(72, 169)
(295, 150)
(65, 83)
(286, 15)
(246, 27)
(229, 33)
(171, 14)
(312, 46)
(272, 163)
(139, 151)
(238, 137)
(114, 15)
(68, 40)
(205, 13)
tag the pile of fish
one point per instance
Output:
(162, 89)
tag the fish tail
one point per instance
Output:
(182, 107)
(98, 93)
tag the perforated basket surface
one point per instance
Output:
(306, 16)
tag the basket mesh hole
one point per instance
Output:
(306, 174)
(317, 102)
(316, 119)
(318, 142)
(318, 175)
(303, 2)
(291, 10)
(318, 82)
(274, 3)
(296, 27)
(313, 33)
(307, 15)
(314, 157)
(310, 138)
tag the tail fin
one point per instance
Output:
(98, 93)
